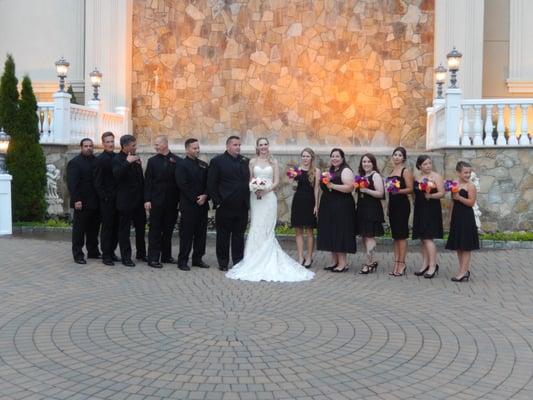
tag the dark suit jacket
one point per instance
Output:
(160, 186)
(80, 182)
(227, 181)
(130, 182)
(104, 181)
(191, 177)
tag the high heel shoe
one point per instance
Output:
(368, 268)
(404, 270)
(308, 265)
(431, 276)
(345, 269)
(372, 267)
(420, 273)
(330, 268)
(465, 277)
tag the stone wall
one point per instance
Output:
(318, 72)
(506, 186)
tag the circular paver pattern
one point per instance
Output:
(72, 332)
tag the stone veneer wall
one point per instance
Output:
(318, 72)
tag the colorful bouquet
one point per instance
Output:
(293, 172)
(326, 177)
(426, 185)
(451, 186)
(360, 182)
(392, 185)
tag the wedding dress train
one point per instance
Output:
(264, 259)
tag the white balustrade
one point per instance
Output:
(77, 121)
(478, 117)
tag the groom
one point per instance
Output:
(227, 185)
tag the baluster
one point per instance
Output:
(512, 126)
(50, 121)
(500, 127)
(465, 139)
(489, 126)
(524, 139)
(478, 126)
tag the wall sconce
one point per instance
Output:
(454, 59)
(440, 78)
(62, 70)
(4, 145)
(96, 78)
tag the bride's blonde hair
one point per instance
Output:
(312, 172)
(269, 158)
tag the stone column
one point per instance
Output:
(108, 48)
(61, 118)
(460, 23)
(6, 223)
(520, 49)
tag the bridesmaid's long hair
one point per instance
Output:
(372, 159)
(312, 170)
(343, 165)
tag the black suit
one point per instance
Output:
(191, 177)
(85, 223)
(130, 184)
(106, 187)
(161, 190)
(227, 185)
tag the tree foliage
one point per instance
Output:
(9, 96)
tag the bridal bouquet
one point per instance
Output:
(392, 185)
(258, 184)
(425, 185)
(293, 172)
(451, 186)
(360, 182)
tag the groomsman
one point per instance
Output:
(106, 187)
(128, 173)
(84, 201)
(227, 185)
(161, 197)
(191, 177)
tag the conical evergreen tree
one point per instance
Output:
(25, 160)
(9, 96)
(73, 99)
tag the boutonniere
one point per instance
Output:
(172, 160)
(244, 159)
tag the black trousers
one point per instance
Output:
(162, 223)
(85, 226)
(126, 217)
(230, 226)
(109, 229)
(193, 232)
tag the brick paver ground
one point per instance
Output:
(94, 332)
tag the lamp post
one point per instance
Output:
(62, 69)
(4, 144)
(454, 59)
(96, 78)
(440, 78)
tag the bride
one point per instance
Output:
(264, 260)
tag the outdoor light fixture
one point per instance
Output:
(62, 69)
(440, 78)
(454, 59)
(96, 78)
(4, 144)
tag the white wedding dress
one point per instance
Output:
(264, 259)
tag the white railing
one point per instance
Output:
(63, 123)
(456, 122)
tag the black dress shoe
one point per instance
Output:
(155, 264)
(128, 263)
(200, 264)
(80, 261)
(223, 268)
(184, 267)
(169, 260)
(94, 256)
(108, 262)
(115, 258)
(142, 258)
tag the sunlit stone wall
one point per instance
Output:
(318, 72)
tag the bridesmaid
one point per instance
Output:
(399, 209)
(427, 219)
(304, 205)
(369, 215)
(336, 213)
(463, 230)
